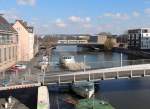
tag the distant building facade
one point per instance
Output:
(36, 45)
(139, 39)
(8, 45)
(93, 39)
(25, 40)
(101, 39)
(122, 41)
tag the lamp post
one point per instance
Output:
(84, 63)
(121, 59)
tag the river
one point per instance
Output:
(122, 94)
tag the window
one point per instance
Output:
(5, 55)
(13, 52)
(9, 52)
(0, 55)
(145, 31)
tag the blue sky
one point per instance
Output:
(79, 16)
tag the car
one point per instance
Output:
(13, 69)
(43, 63)
(20, 66)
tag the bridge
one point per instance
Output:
(134, 71)
(26, 80)
(75, 42)
(90, 75)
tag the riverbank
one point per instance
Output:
(141, 54)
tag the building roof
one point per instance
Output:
(5, 26)
(24, 24)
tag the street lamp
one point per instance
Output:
(84, 63)
(121, 59)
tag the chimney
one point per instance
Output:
(25, 23)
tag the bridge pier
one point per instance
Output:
(43, 98)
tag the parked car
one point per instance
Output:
(20, 66)
(13, 69)
(43, 63)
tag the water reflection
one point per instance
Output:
(122, 94)
(92, 59)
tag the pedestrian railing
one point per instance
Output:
(99, 70)
(98, 74)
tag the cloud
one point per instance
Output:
(147, 1)
(120, 16)
(147, 11)
(26, 2)
(11, 14)
(77, 19)
(136, 14)
(87, 25)
(60, 23)
(87, 19)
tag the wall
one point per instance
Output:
(25, 43)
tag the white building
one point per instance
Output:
(139, 39)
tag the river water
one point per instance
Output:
(122, 94)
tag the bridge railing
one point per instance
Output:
(18, 78)
(99, 74)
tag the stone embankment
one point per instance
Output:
(133, 52)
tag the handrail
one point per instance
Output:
(110, 70)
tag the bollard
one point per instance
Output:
(9, 100)
(6, 105)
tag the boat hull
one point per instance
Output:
(82, 93)
(85, 90)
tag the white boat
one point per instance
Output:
(84, 89)
(67, 60)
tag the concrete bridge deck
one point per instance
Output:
(35, 80)
(99, 74)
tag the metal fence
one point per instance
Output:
(17, 78)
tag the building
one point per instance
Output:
(101, 39)
(139, 39)
(25, 40)
(93, 39)
(36, 45)
(122, 41)
(8, 45)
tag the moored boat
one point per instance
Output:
(84, 89)
(67, 60)
(93, 104)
